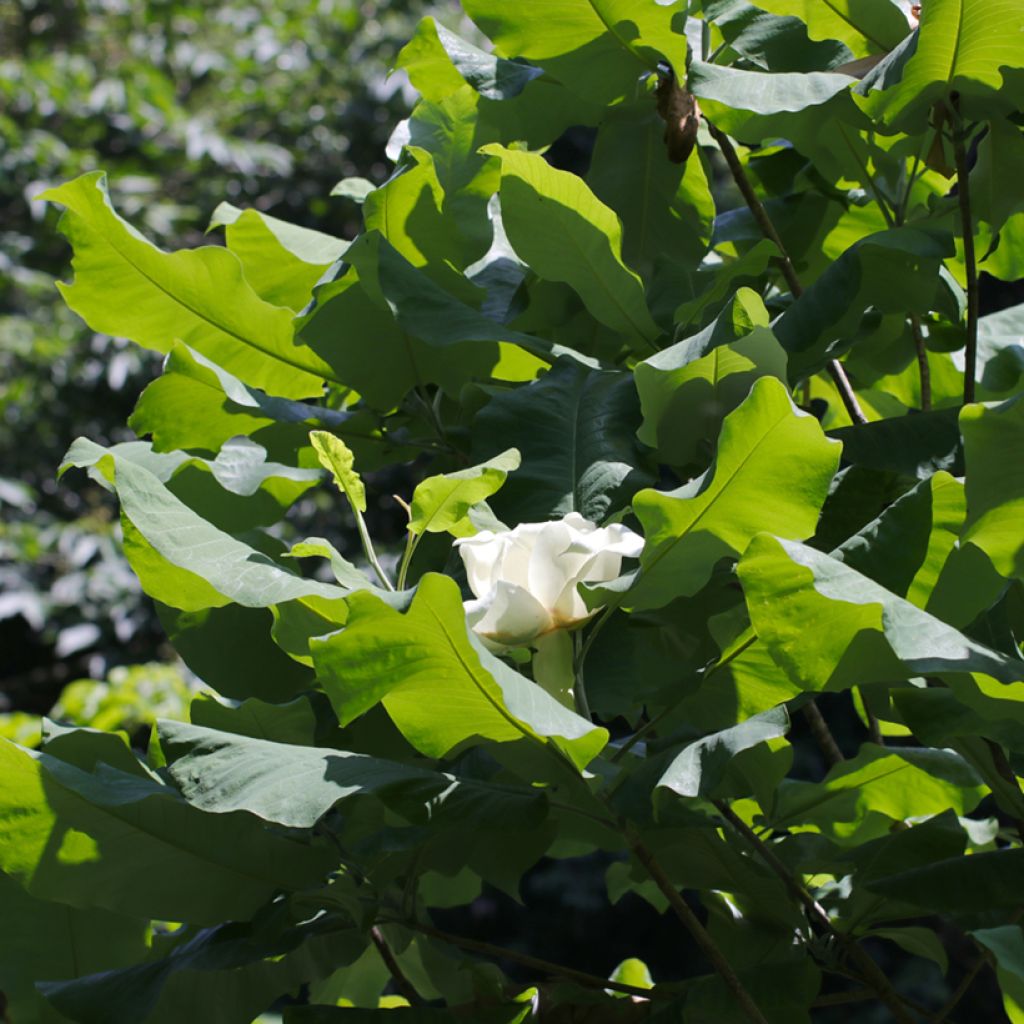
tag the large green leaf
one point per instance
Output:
(198, 296)
(911, 446)
(241, 970)
(762, 93)
(964, 48)
(688, 389)
(900, 784)
(565, 233)
(863, 25)
(443, 691)
(438, 62)
(777, 42)
(994, 452)
(830, 627)
(407, 211)
(700, 766)
(599, 48)
(772, 471)
(296, 785)
(95, 840)
(990, 881)
(43, 940)
(573, 426)
(911, 549)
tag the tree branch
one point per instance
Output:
(870, 972)
(821, 733)
(695, 928)
(760, 214)
(922, 362)
(544, 967)
(402, 983)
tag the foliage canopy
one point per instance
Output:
(794, 400)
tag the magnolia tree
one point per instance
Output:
(680, 478)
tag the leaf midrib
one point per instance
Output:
(177, 300)
(666, 548)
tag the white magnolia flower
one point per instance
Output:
(525, 583)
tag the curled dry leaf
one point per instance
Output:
(681, 113)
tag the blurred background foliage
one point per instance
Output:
(263, 103)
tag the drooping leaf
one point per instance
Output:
(199, 297)
(296, 785)
(92, 840)
(226, 565)
(1007, 943)
(441, 690)
(911, 549)
(573, 427)
(230, 649)
(441, 504)
(772, 470)
(699, 767)
(777, 42)
(913, 446)
(687, 389)
(565, 233)
(984, 881)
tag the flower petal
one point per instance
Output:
(509, 615)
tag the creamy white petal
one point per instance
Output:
(512, 616)
(482, 555)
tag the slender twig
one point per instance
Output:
(870, 972)
(922, 362)
(822, 734)
(961, 990)
(544, 967)
(760, 214)
(984, 958)
(402, 983)
(368, 550)
(695, 928)
(860, 995)
(963, 194)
